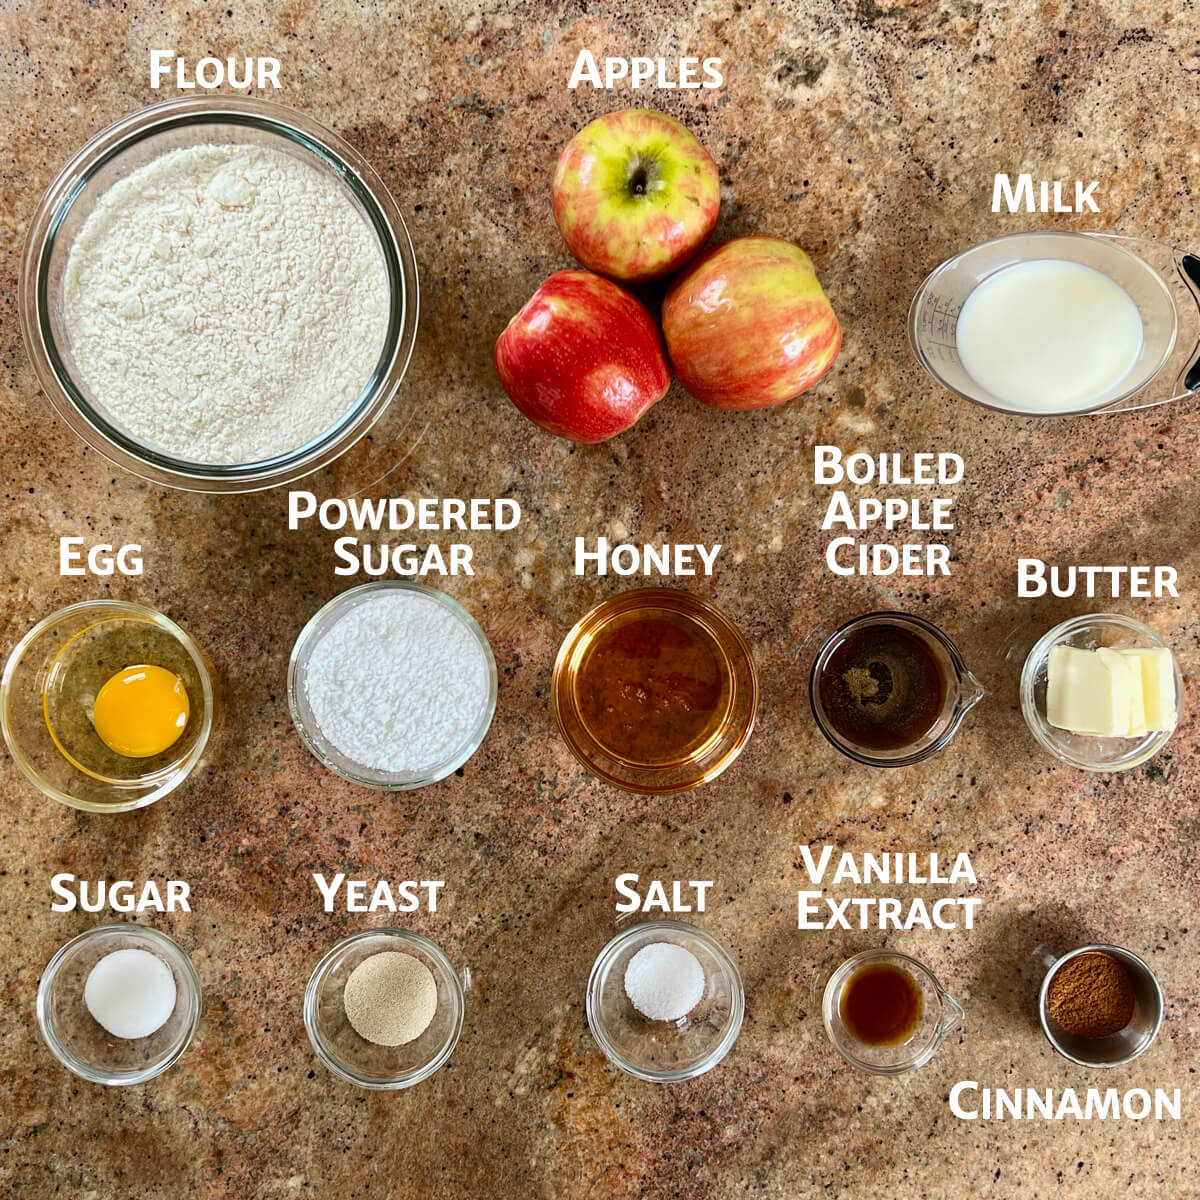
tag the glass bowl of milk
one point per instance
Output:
(1060, 324)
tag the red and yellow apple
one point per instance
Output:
(635, 194)
(583, 358)
(748, 325)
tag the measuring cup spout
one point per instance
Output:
(951, 1018)
(972, 691)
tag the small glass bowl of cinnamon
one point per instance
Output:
(1100, 1006)
(655, 691)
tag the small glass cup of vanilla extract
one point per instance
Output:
(886, 1013)
(889, 689)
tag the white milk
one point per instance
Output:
(1049, 335)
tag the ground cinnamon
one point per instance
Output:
(1091, 995)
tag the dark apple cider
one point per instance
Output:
(653, 690)
(883, 688)
(881, 1005)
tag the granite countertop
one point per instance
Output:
(868, 133)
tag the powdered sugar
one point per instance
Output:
(226, 303)
(399, 683)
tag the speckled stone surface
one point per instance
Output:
(869, 133)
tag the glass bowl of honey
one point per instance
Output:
(106, 705)
(655, 691)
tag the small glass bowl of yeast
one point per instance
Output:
(665, 1051)
(350, 1056)
(80, 1042)
(48, 693)
(106, 162)
(1086, 751)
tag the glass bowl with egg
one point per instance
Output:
(92, 288)
(119, 1004)
(107, 705)
(1101, 751)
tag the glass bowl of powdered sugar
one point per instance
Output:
(219, 294)
(665, 1001)
(392, 685)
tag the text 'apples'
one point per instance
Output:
(748, 325)
(583, 358)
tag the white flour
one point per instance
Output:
(399, 683)
(225, 304)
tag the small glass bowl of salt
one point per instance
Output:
(665, 1001)
(119, 1004)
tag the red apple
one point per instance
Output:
(582, 358)
(747, 324)
(635, 194)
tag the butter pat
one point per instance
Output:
(1158, 685)
(1082, 693)
(1130, 720)
(1111, 693)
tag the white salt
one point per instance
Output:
(131, 993)
(664, 982)
(399, 683)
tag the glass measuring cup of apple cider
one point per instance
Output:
(1055, 323)
(889, 689)
(886, 1013)
(655, 691)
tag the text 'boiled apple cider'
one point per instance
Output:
(872, 514)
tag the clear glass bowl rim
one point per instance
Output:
(322, 144)
(303, 647)
(599, 972)
(172, 950)
(327, 1057)
(141, 612)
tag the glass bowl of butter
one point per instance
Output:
(1101, 692)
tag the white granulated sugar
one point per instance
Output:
(225, 303)
(399, 683)
(664, 982)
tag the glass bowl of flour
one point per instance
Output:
(219, 295)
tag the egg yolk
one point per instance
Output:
(141, 711)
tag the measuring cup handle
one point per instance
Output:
(1189, 268)
(1188, 381)
(1043, 956)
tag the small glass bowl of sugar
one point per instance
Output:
(119, 1004)
(665, 1001)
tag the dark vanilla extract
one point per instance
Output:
(881, 1005)
(883, 688)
